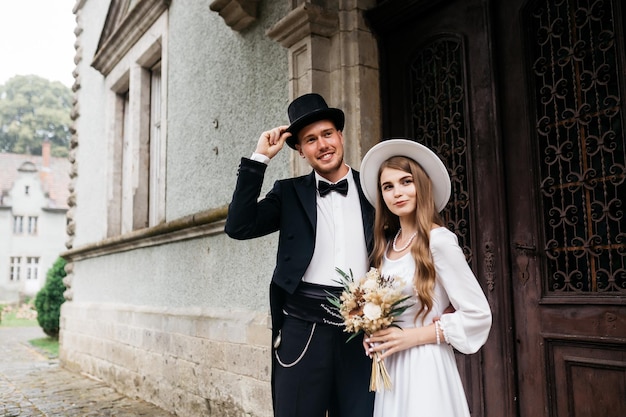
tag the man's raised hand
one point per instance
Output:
(272, 141)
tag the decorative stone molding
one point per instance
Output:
(127, 32)
(206, 223)
(305, 20)
(67, 281)
(74, 115)
(238, 14)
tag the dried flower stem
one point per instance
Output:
(380, 377)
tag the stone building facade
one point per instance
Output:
(525, 111)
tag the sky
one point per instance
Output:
(37, 37)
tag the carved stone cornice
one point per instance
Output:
(238, 14)
(205, 223)
(130, 30)
(305, 20)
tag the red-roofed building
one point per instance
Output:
(33, 204)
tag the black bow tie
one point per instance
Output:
(325, 188)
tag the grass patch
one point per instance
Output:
(48, 345)
(9, 319)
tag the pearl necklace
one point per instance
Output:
(408, 242)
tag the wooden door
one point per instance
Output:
(437, 82)
(523, 100)
(562, 96)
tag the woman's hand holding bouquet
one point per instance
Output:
(367, 305)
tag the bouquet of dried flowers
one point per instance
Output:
(369, 304)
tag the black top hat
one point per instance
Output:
(307, 109)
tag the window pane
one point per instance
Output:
(18, 224)
(438, 91)
(32, 225)
(156, 175)
(575, 69)
(14, 273)
(32, 268)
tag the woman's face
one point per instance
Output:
(398, 190)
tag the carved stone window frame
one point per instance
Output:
(131, 157)
(121, 36)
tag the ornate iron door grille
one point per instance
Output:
(438, 116)
(579, 138)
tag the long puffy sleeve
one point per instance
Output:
(468, 327)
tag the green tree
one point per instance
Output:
(49, 299)
(33, 109)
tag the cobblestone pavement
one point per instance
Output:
(32, 385)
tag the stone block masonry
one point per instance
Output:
(190, 362)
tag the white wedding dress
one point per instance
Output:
(426, 380)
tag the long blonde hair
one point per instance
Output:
(387, 224)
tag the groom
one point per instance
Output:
(314, 370)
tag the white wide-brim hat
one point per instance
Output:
(428, 160)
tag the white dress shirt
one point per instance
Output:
(340, 239)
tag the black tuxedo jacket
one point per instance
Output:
(289, 208)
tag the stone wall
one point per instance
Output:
(190, 361)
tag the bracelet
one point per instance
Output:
(437, 332)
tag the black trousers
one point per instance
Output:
(316, 371)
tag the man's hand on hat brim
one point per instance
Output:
(272, 141)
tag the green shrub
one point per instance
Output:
(49, 299)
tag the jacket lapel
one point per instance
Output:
(306, 191)
(367, 214)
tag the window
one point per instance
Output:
(575, 59)
(32, 268)
(15, 263)
(32, 225)
(18, 225)
(137, 104)
(438, 101)
(156, 181)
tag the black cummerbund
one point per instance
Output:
(310, 303)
